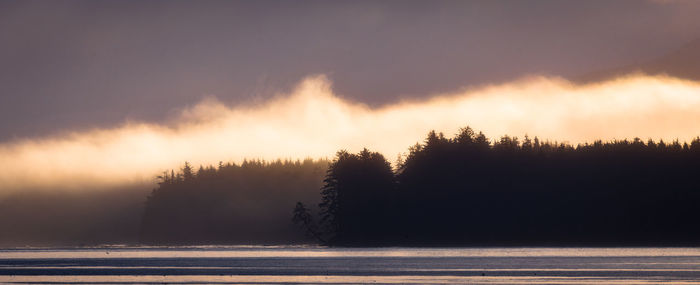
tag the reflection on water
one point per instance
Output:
(273, 265)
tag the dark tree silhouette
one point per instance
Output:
(302, 217)
(356, 191)
(468, 191)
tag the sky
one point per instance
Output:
(97, 94)
(82, 65)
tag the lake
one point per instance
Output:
(301, 264)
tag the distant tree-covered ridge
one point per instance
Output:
(230, 203)
(467, 190)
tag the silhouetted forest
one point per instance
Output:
(466, 190)
(230, 203)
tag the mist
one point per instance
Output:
(313, 122)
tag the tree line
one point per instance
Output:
(463, 190)
(230, 203)
(470, 190)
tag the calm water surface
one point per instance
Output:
(294, 265)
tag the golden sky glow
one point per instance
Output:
(313, 122)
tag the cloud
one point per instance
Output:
(666, 1)
(313, 122)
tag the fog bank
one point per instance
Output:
(313, 121)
